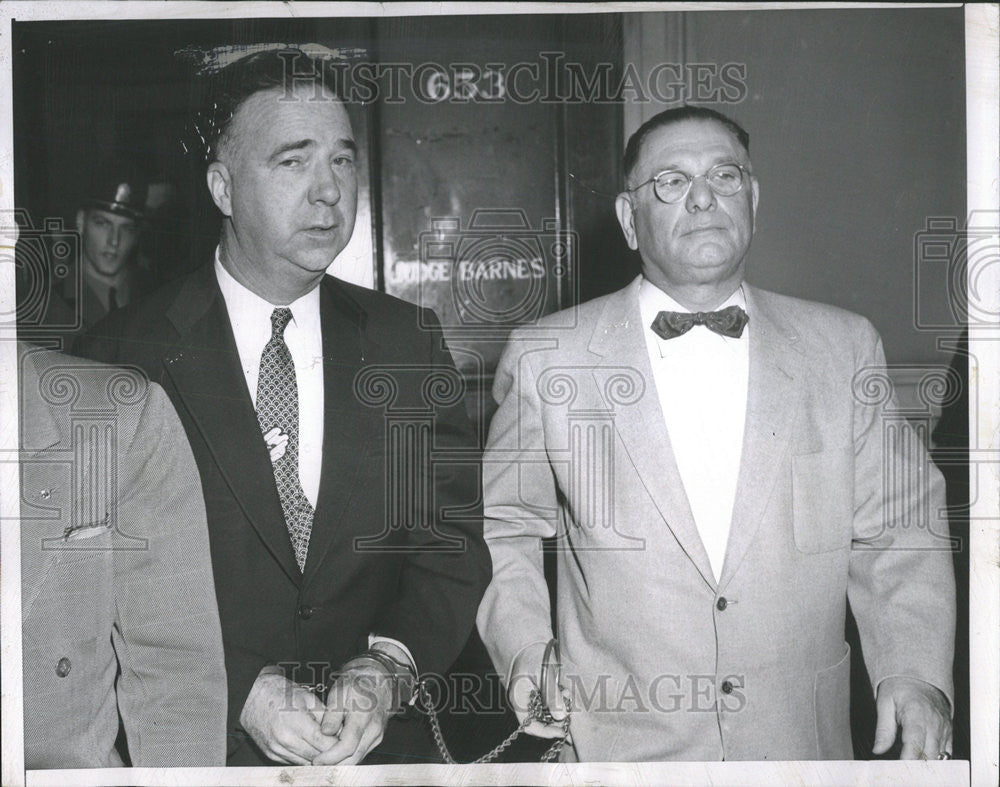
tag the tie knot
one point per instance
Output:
(280, 318)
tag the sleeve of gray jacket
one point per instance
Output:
(172, 688)
(901, 584)
(520, 505)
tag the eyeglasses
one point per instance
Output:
(672, 185)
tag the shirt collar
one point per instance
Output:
(655, 300)
(247, 307)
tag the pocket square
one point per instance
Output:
(86, 529)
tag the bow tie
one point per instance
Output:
(728, 322)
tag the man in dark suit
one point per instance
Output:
(341, 473)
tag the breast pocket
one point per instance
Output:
(822, 500)
(91, 541)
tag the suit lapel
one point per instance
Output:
(773, 399)
(205, 369)
(347, 423)
(620, 340)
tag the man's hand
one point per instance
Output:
(923, 713)
(524, 678)
(357, 710)
(284, 718)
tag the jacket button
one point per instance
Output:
(721, 604)
(727, 687)
(63, 667)
(305, 612)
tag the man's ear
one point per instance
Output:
(220, 187)
(626, 218)
(81, 216)
(755, 190)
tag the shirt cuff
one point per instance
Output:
(373, 638)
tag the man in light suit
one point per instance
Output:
(719, 470)
(118, 604)
(341, 473)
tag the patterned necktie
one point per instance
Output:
(278, 415)
(728, 322)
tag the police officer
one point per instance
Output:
(109, 221)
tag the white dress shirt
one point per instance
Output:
(701, 381)
(250, 317)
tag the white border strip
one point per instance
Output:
(26, 10)
(12, 699)
(911, 773)
(982, 74)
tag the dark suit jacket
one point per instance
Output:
(396, 547)
(118, 610)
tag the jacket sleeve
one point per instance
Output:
(447, 564)
(520, 498)
(172, 688)
(901, 583)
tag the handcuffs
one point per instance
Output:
(404, 682)
(549, 679)
(551, 670)
(538, 710)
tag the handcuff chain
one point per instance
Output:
(536, 711)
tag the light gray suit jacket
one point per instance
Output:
(836, 500)
(117, 598)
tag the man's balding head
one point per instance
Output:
(286, 72)
(677, 115)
